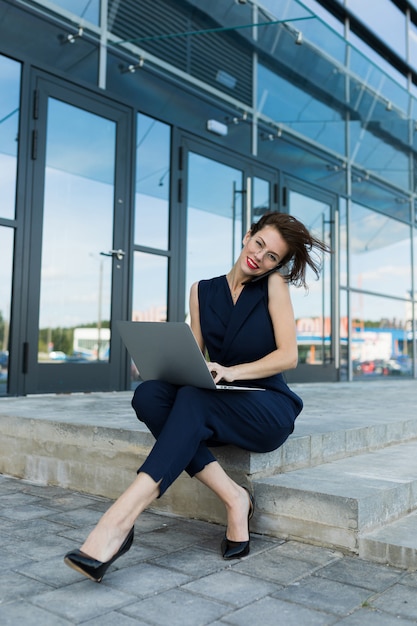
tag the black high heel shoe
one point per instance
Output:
(238, 549)
(92, 568)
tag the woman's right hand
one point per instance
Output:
(220, 372)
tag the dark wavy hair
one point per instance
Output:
(304, 248)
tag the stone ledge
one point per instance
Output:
(334, 504)
(394, 544)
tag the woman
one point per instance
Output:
(245, 321)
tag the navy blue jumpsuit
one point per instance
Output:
(186, 421)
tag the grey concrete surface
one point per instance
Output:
(350, 466)
(174, 573)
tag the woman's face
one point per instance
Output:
(262, 251)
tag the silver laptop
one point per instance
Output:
(168, 351)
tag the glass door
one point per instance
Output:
(315, 310)
(223, 199)
(214, 218)
(79, 243)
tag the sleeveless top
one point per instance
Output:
(240, 332)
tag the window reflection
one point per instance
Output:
(383, 199)
(367, 63)
(313, 308)
(326, 17)
(343, 242)
(381, 341)
(261, 202)
(152, 183)
(373, 152)
(380, 255)
(344, 337)
(377, 155)
(214, 219)
(9, 124)
(414, 230)
(150, 290)
(282, 101)
(89, 10)
(78, 225)
(384, 19)
(412, 42)
(6, 247)
(150, 287)
(302, 18)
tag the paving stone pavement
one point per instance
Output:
(174, 573)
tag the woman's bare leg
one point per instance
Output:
(233, 496)
(113, 527)
(107, 537)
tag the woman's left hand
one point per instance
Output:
(220, 372)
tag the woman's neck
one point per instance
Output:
(234, 280)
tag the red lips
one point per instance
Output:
(251, 264)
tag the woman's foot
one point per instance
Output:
(104, 540)
(94, 568)
(238, 515)
(237, 548)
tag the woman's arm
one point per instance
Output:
(195, 316)
(285, 356)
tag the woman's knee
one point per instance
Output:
(151, 398)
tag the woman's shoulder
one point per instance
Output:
(207, 283)
(278, 290)
(276, 280)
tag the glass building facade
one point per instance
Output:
(138, 142)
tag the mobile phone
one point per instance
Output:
(254, 280)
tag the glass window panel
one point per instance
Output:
(374, 195)
(344, 338)
(283, 102)
(9, 126)
(312, 308)
(381, 345)
(372, 67)
(152, 183)
(150, 287)
(324, 35)
(150, 292)
(379, 127)
(6, 266)
(88, 10)
(261, 202)
(413, 90)
(372, 150)
(384, 19)
(380, 253)
(326, 17)
(78, 226)
(214, 219)
(343, 242)
(415, 261)
(310, 166)
(412, 54)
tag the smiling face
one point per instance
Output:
(262, 251)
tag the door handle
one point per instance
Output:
(118, 254)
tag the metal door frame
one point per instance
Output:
(26, 377)
(328, 372)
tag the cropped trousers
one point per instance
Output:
(187, 421)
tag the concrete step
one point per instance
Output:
(394, 543)
(348, 472)
(336, 503)
(338, 421)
